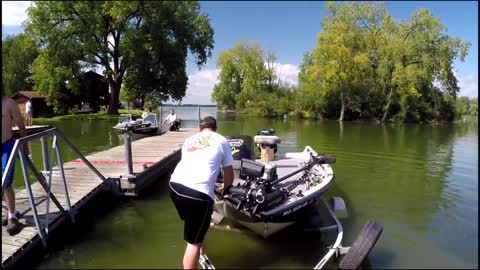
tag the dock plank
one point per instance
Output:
(83, 184)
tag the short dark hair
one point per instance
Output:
(208, 122)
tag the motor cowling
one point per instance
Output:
(267, 132)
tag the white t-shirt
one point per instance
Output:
(28, 106)
(171, 118)
(203, 154)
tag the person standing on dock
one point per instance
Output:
(29, 112)
(193, 182)
(10, 114)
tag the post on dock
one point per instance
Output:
(160, 119)
(127, 141)
(199, 119)
(43, 141)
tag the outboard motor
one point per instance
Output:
(241, 147)
(267, 132)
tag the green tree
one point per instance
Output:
(242, 77)
(119, 36)
(368, 65)
(55, 73)
(18, 54)
(339, 56)
(248, 82)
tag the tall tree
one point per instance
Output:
(243, 75)
(377, 67)
(18, 54)
(122, 37)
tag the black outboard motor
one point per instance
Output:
(241, 147)
(267, 132)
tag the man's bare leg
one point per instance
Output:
(190, 258)
(9, 196)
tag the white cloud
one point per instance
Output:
(200, 86)
(14, 12)
(468, 85)
(201, 83)
(288, 73)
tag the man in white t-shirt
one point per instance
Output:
(193, 182)
(172, 121)
(29, 112)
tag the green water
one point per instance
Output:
(419, 182)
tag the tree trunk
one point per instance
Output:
(342, 110)
(114, 97)
(142, 102)
(387, 107)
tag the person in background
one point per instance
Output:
(193, 182)
(29, 112)
(172, 121)
(10, 114)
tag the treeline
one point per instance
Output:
(365, 65)
(142, 47)
(466, 107)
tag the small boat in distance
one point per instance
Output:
(147, 124)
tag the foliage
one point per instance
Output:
(465, 106)
(144, 43)
(55, 74)
(365, 65)
(18, 54)
(248, 82)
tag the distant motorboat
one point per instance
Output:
(147, 124)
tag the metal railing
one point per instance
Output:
(26, 163)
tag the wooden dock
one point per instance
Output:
(152, 157)
(30, 129)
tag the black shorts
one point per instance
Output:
(195, 208)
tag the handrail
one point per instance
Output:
(26, 163)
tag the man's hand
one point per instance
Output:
(225, 191)
(218, 185)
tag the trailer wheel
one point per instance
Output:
(362, 245)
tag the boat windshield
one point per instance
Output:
(125, 118)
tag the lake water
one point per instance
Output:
(420, 182)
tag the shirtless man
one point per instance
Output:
(10, 114)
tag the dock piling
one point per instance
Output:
(127, 141)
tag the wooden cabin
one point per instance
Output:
(39, 103)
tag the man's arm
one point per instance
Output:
(18, 119)
(227, 163)
(227, 176)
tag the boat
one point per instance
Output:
(270, 194)
(147, 124)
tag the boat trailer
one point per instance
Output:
(352, 256)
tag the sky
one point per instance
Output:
(289, 29)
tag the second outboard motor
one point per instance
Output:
(241, 147)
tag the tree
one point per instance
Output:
(55, 73)
(18, 54)
(122, 36)
(248, 82)
(374, 67)
(243, 76)
(340, 55)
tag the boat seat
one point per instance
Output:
(266, 139)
